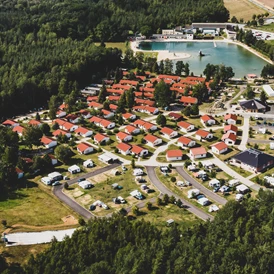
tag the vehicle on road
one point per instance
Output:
(81, 180)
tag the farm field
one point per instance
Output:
(242, 9)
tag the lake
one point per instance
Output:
(241, 60)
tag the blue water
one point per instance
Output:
(241, 60)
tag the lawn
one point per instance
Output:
(119, 45)
(104, 192)
(242, 9)
(241, 171)
(160, 214)
(32, 206)
(268, 172)
(269, 28)
(230, 153)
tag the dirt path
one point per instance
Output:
(68, 221)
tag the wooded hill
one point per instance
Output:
(46, 46)
(239, 240)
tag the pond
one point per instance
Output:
(241, 60)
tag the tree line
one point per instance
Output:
(238, 240)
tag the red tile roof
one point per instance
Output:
(129, 82)
(175, 115)
(195, 79)
(184, 140)
(230, 127)
(92, 98)
(18, 129)
(171, 77)
(113, 98)
(139, 122)
(95, 119)
(184, 124)
(100, 137)
(9, 123)
(202, 133)
(119, 86)
(59, 132)
(198, 151)
(220, 146)
(151, 138)
(82, 130)
(188, 100)
(46, 140)
(113, 107)
(167, 130)
(127, 115)
(83, 146)
(105, 123)
(230, 116)
(95, 105)
(137, 149)
(230, 136)
(130, 128)
(115, 91)
(106, 112)
(121, 135)
(206, 118)
(174, 153)
(123, 146)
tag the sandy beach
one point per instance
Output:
(165, 54)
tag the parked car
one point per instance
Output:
(92, 207)
(122, 200)
(81, 180)
(216, 189)
(116, 200)
(104, 206)
(57, 183)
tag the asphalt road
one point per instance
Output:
(58, 192)
(164, 190)
(204, 190)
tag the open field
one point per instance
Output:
(268, 3)
(267, 28)
(21, 253)
(119, 45)
(160, 214)
(242, 9)
(32, 206)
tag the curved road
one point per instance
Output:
(203, 189)
(58, 192)
(163, 189)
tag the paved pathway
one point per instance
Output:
(33, 238)
(164, 190)
(213, 196)
(58, 192)
(245, 136)
(234, 174)
(259, 141)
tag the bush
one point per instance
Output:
(81, 222)
(116, 150)
(116, 130)
(173, 179)
(170, 166)
(66, 186)
(149, 205)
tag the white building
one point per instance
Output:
(74, 169)
(268, 90)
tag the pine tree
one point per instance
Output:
(102, 94)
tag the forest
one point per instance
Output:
(239, 240)
(47, 47)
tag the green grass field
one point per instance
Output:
(32, 206)
(119, 45)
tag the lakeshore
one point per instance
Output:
(165, 54)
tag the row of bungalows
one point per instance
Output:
(145, 102)
(146, 109)
(106, 124)
(134, 150)
(144, 125)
